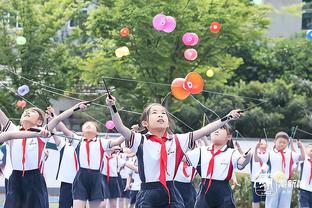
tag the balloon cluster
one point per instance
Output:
(122, 51)
(164, 23)
(190, 39)
(181, 88)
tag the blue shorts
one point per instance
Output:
(305, 199)
(187, 192)
(29, 190)
(258, 192)
(66, 195)
(111, 188)
(88, 185)
(133, 197)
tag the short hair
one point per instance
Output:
(40, 113)
(283, 135)
(228, 128)
(94, 123)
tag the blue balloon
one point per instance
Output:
(309, 35)
(23, 90)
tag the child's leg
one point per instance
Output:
(112, 203)
(285, 197)
(94, 204)
(272, 195)
(103, 203)
(79, 204)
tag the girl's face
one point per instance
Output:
(308, 150)
(263, 145)
(157, 118)
(31, 116)
(220, 137)
(89, 128)
(281, 143)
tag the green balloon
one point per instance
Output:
(20, 40)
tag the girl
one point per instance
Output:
(159, 153)
(280, 162)
(87, 185)
(26, 186)
(256, 168)
(215, 165)
(305, 191)
(133, 182)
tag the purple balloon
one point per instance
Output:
(159, 21)
(170, 24)
(110, 124)
(23, 90)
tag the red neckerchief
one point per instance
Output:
(184, 169)
(108, 158)
(163, 159)
(283, 160)
(88, 149)
(310, 179)
(211, 166)
(23, 153)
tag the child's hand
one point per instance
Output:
(82, 106)
(110, 102)
(127, 188)
(299, 144)
(258, 145)
(44, 132)
(237, 144)
(234, 114)
(50, 111)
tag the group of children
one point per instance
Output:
(154, 169)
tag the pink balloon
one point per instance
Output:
(159, 21)
(190, 39)
(170, 24)
(190, 54)
(109, 124)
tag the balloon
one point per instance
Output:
(194, 83)
(170, 24)
(124, 32)
(23, 90)
(190, 54)
(215, 27)
(122, 51)
(110, 124)
(21, 104)
(20, 40)
(190, 39)
(309, 34)
(159, 21)
(210, 73)
(177, 89)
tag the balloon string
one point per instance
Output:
(205, 106)
(304, 131)
(165, 98)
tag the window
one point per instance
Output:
(78, 19)
(306, 21)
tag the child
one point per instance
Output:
(110, 177)
(256, 168)
(215, 165)
(133, 182)
(280, 162)
(183, 183)
(87, 185)
(159, 153)
(305, 191)
(26, 186)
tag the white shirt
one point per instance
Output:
(224, 163)
(187, 175)
(305, 175)
(5, 161)
(33, 151)
(150, 159)
(97, 147)
(124, 170)
(113, 165)
(136, 184)
(274, 161)
(68, 164)
(255, 167)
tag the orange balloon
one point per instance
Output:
(194, 83)
(124, 32)
(21, 104)
(177, 89)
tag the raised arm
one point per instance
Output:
(57, 119)
(244, 160)
(121, 128)
(61, 126)
(116, 142)
(256, 155)
(5, 136)
(211, 127)
(302, 153)
(3, 118)
(132, 167)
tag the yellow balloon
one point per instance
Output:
(119, 53)
(125, 50)
(210, 73)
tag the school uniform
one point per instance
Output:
(256, 169)
(88, 183)
(134, 186)
(67, 169)
(280, 163)
(183, 182)
(158, 161)
(305, 191)
(5, 164)
(123, 174)
(216, 169)
(26, 185)
(110, 176)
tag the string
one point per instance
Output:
(303, 131)
(205, 106)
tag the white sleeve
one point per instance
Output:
(193, 157)
(186, 141)
(76, 139)
(10, 127)
(61, 145)
(105, 143)
(134, 142)
(264, 157)
(296, 157)
(235, 157)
